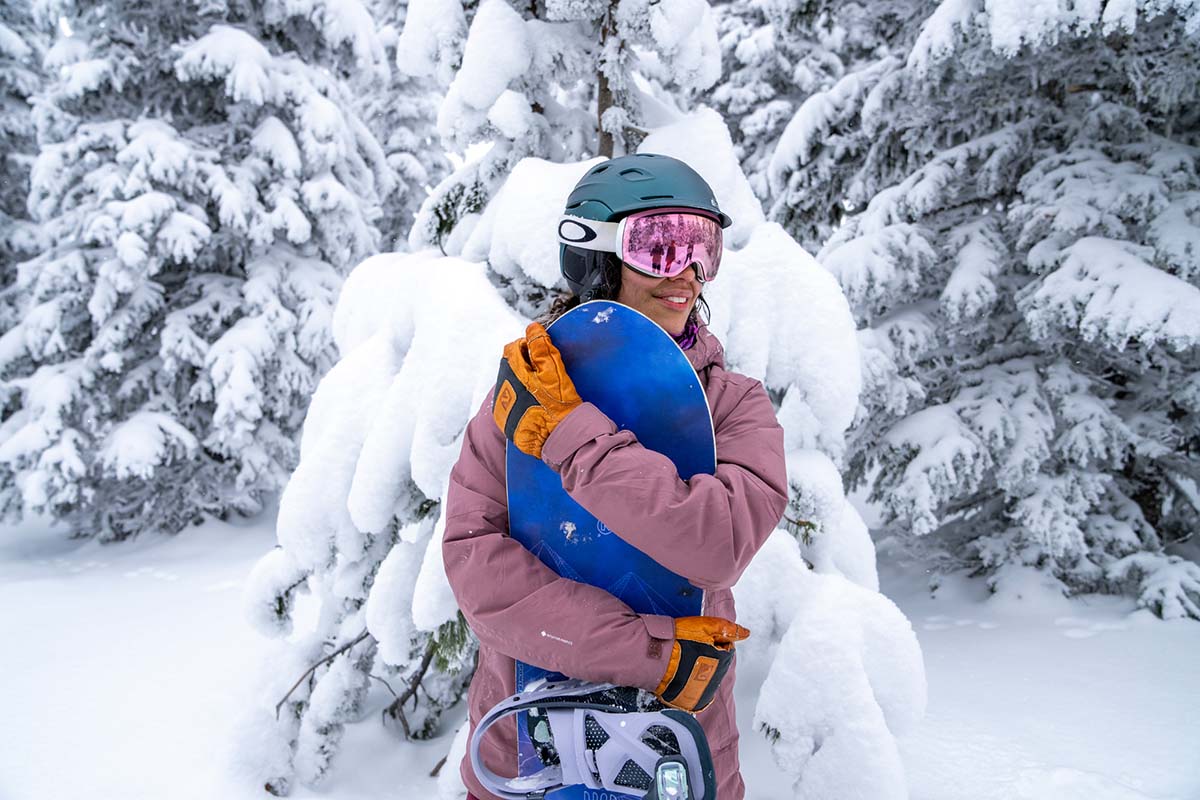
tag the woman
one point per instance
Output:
(706, 529)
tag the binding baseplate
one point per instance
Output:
(602, 740)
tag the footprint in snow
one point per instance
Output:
(75, 568)
(1076, 628)
(1067, 783)
(941, 622)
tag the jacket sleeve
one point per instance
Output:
(706, 529)
(517, 605)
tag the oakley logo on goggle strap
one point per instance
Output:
(574, 231)
(587, 233)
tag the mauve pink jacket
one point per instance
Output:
(707, 529)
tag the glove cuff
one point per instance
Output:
(511, 400)
(693, 675)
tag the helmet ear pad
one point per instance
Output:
(574, 264)
(590, 274)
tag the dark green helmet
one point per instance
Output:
(619, 187)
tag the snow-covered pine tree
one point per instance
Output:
(777, 53)
(357, 589)
(21, 48)
(203, 186)
(360, 520)
(402, 113)
(527, 86)
(561, 80)
(1020, 250)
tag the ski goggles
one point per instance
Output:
(659, 242)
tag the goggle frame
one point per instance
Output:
(608, 237)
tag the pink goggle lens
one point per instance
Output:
(664, 242)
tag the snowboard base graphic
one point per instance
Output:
(629, 368)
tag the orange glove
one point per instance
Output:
(533, 391)
(700, 657)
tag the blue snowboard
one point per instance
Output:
(628, 367)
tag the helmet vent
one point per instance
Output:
(600, 169)
(635, 174)
(659, 197)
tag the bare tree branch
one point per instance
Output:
(385, 683)
(396, 709)
(314, 667)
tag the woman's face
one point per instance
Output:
(667, 301)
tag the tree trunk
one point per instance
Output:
(603, 103)
(611, 65)
(604, 95)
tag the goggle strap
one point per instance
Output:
(589, 234)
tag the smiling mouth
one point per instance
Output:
(678, 301)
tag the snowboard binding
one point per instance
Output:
(600, 737)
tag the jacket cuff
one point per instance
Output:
(583, 424)
(658, 651)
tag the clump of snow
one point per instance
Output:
(271, 590)
(12, 45)
(1168, 585)
(450, 784)
(685, 34)
(1015, 587)
(437, 311)
(433, 600)
(971, 289)
(64, 51)
(273, 141)
(497, 52)
(394, 408)
(348, 22)
(941, 32)
(820, 113)
(86, 76)
(183, 236)
(144, 441)
(817, 485)
(847, 679)
(837, 539)
(887, 263)
(511, 114)
(432, 40)
(234, 56)
(1105, 288)
(517, 231)
(1011, 26)
(949, 457)
(701, 140)
(783, 319)
(563, 10)
(390, 604)
(335, 700)
(313, 507)
(1176, 237)
(849, 551)
(768, 595)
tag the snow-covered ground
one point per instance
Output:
(1043, 698)
(126, 671)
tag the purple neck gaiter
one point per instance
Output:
(686, 339)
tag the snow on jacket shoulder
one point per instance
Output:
(706, 529)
